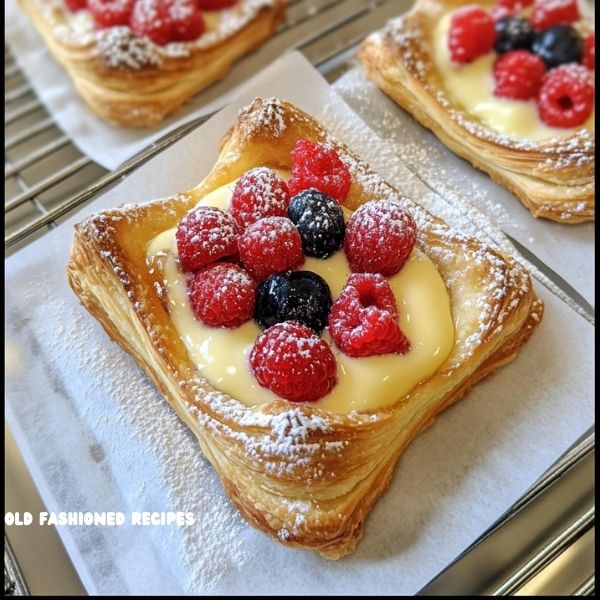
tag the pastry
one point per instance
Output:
(496, 83)
(302, 381)
(137, 61)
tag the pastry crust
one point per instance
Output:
(553, 178)
(305, 476)
(131, 82)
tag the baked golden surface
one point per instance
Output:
(131, 82)
(306, 477)
(554, 178)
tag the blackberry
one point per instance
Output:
(301, 296)
(513, 33)
(558, 45)
(320, 221)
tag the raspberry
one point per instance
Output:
(364, 319)
(258, 193)
(379, 237)
(205, 235)
(222, 295)
(518, 75)
(554, 12)
(472, 34)
(293, 362)
(319, 166)
(216, 4)
(270, 245)
(187, 22)
(108, 13)
(75, 5)
(501, 12)
(515, 5)
(589, 51)
(566, 98)
(150, 18)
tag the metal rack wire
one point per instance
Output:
(47, 177)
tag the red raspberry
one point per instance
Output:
(150, 18)
(589, 51)
(75, 5)
(566, 98)
(222, 295)
(518, 75)
(205, 235)
(258, 193)
(364, 319)
(319, 166)
(515, 5)
(187, 22)
(379, 237)
(108, 13)
(216, 4)
(472, 34)
(554, 12)
(293, 362)
(270, 245)
(500, 12)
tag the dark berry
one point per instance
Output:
(513, 33)
(301, 296)
(320, 221)
(558, 45)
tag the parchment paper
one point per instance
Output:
(98, 436)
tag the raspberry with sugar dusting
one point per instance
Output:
(518, 75)
(379, 237)
(109, 13)
(319, 166)
(364, 319)
(258, 193)
(222, 295)
(205, 235)
(150, 18)
(75, 5)
(472, 34)
(547, 13)
(269, 246)
(293, 362)
(566, 98)
(187, 22)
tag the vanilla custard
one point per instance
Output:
(364, 384)
(472, 87)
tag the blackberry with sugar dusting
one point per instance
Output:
(320, 221)
(558, 45)
(301, 296)
(513, 33)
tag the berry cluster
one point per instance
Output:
(244, 263)
(162, 21)
(540, 57)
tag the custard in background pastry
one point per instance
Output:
(506, 84)
(303, 318)
(137, 61)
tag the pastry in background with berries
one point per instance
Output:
(136, 62)
(305, 319)
(507, 85)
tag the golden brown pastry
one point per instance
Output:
(306, 476)
(553, 176)
(129, 80)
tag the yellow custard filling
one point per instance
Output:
(364, 384)
(472, 87)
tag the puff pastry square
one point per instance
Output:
(130, 81)
(304, 476)
(554, 178)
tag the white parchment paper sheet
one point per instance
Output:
(566, 249)
(98, 436)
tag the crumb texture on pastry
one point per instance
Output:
(553, 178)
(306, 477)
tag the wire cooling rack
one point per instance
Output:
(47, 177)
